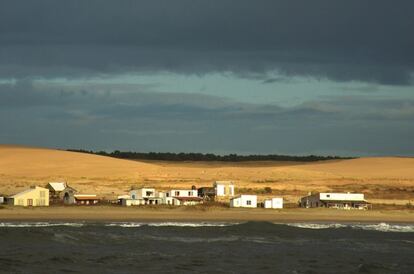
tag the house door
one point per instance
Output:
(30, 202)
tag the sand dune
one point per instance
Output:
(378, 167)
(384, 178)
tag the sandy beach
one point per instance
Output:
(383, 180)
(199, 214)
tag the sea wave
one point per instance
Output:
(125, 224)
(39, 224)
(203, 224)
(383, 227)
(316, 226)
(170, 224)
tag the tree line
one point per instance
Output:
(170, 156)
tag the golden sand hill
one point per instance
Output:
(383, 179)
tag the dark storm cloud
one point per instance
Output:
(342, 40)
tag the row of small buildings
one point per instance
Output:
(61, 193)
(220, 191)
(53, 193)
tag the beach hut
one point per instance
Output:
(335, 200)
(273, 203)
(249, 201)
(86, 199)
(224, 188)
(34, 196)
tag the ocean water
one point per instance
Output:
(170, 247)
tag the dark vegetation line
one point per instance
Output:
(168, 156)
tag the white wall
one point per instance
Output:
(182, 193)
(249, 201)
(142, 193)
(224, 189)
(341, 196)
(131, 202)
(315, 199)
(273, 203)
(177, 202)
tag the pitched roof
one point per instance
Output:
(58, 186)
(27, 191)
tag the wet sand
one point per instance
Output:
(199, 214)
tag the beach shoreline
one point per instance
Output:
(189, 214)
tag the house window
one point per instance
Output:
(177, 193)
(133, 196)
(167, 194)
(149, 193)
(248, 202)
(190, 193)
(328, 195)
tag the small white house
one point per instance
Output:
(1, 199)
(249, 201)
(182, 197)
(143, 196)
(273, 203)
(224, 188)
(335, 200)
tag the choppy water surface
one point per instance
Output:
(254, 247)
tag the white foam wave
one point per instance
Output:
(316, 226)
(125, 224)
(170, 224)
(39, 224)
(383, 227)
(180, 224)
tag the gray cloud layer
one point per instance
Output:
(370, 41)
(149, 121)
(342, 40)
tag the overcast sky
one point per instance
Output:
(286, 77)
